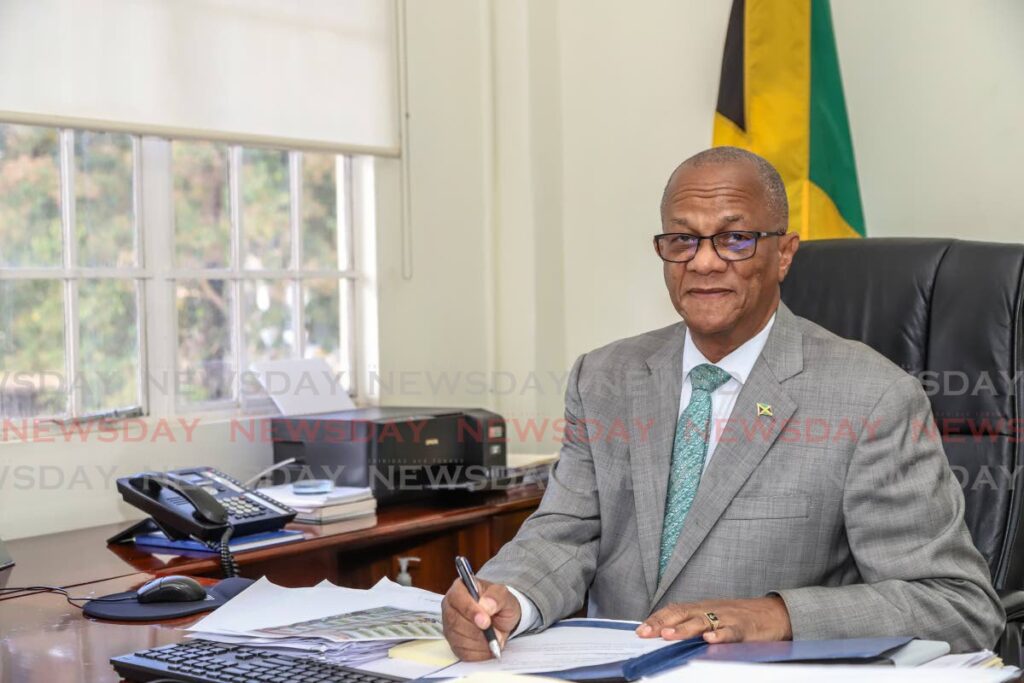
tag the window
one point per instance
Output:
(69, 253)
(144, 275)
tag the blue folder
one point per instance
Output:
(856, 650)
(157, 541)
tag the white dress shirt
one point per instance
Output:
(738, 364)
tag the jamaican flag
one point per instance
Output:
(781, 96)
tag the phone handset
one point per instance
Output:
(199, 502)
(207, 510)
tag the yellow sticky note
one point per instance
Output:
(429, 652)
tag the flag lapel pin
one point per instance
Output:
(763, 409)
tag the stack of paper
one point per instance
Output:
(351, 653)
(343, 625)
(336, 614)
(355, 506)
(985, 659)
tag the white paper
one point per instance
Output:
(401, 668)
(968, 659)
(303, 387)
(562, 647)
(266, 605)
(725, 672)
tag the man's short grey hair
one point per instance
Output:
(771, 181)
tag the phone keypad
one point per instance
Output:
(241, 507)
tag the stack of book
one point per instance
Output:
(351, 507)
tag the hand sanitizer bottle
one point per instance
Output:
(404, 578)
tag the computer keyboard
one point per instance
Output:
(202, 661)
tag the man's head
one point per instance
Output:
(724, 190)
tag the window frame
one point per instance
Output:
(155, 274)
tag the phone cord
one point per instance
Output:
(227, 561)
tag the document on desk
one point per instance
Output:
(560, 648)
(349, 653)
(722, 672)
(376, 623)
(264, 605)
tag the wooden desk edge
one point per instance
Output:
(354, 540)
(121, 561)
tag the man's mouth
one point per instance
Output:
(709, 292)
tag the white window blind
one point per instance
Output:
(319, 73)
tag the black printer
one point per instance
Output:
(400, 453)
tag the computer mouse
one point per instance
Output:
(171, 589)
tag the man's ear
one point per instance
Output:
(788, 246)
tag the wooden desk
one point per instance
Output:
(44, 639)
(434, 530)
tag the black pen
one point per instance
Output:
(469, 581)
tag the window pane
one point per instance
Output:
(202, 212)
(30, 231)
(321, 190)
(104, 206)
(32, 348)
(326, 309)
(267, 313)
(204, 341)
(108, 364)
(266, 209)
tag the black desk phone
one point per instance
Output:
(202, 502)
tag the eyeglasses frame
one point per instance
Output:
(758, 234)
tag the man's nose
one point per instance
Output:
(707, 259)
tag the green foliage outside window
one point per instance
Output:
(32, 311)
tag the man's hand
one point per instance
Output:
(464, 619)
(738, 621)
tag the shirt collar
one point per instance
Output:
(738, 364)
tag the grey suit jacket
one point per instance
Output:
(841, 501)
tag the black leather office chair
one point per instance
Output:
(950, 312)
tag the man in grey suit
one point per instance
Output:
(744, 474)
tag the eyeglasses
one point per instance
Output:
(734, 245)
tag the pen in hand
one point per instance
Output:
(469, 581)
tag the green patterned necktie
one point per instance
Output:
(689, 450)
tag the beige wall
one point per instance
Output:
(540, 135)
(639, 87)
(935, 90)
(63, 484)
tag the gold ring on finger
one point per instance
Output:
(713, 620)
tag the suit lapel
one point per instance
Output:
(654, 404)
(743, 443)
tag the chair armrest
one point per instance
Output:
(1011, 644)
(1013, 604)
